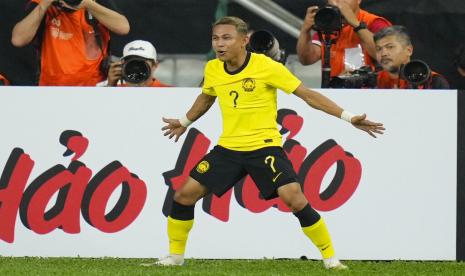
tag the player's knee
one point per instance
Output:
(184, 198)
(296, 203)
(294, 199)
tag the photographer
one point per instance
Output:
(393, 51)
(354, 46)
(137, 66)
(71, 37)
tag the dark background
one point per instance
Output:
(183, 26)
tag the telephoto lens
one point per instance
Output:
(136, 70)
(264, 42)
(416, 72)
(328, 19)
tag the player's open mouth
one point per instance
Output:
(221, 53)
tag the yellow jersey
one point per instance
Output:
(248, 100)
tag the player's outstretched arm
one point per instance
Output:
(321, 102)
(177, 127)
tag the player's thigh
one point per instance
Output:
(190, 192)
(270, 169)
(219, 170)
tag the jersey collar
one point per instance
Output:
(238, 70)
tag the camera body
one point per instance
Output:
(328, 19)
(136, 69)
(264, 42)
(360, 78)
(72, 3)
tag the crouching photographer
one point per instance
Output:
(137, 66)
(393, 52)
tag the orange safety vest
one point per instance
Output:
(384, 81)
(349, 39)
(4, 80)
(70, 54)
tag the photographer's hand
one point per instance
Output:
(115, 73)
(308, 52)
(309, 19)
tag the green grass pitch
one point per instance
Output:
(113, 266)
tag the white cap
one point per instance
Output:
(140, 48)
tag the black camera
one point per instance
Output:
(328, 19)
(264, 42)
(136, 69)
(360, 78)
(72, 3)
(416, 73)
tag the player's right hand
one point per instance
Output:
(360, 122)
(173, 128)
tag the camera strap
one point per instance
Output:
(91, 20)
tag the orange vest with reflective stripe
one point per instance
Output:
(70, 54)
(349, 39)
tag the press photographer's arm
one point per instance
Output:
(25, 30)
(308, 52)
(114, 21)
(350, 10)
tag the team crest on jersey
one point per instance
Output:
(248, 85)
(203, 167)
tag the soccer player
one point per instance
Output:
(246, 84)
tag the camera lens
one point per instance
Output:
(136, 70)
(328, 19)
(416, 72)
(264, 42)
(261, 41)
(73, 2)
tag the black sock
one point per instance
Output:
(307, 216)
(182, 212)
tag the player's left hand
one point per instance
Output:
(173, 128)
(360, 122)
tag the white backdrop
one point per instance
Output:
(404, 206)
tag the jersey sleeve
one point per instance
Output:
(207, 86)
(281, 78)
